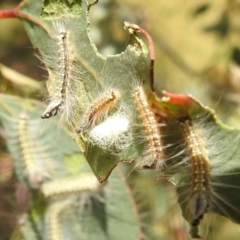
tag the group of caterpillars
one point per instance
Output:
(106, 122)
(62, 91)
(34, 160)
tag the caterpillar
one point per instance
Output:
(34, 173)
(99, 108)
(205, 186)
(200, 190)
(64, 83)
(155, 150)
(52, 221)
(31, 143)
(86, 182)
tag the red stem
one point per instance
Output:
(180, 99)
(15, 13)
(9, 13)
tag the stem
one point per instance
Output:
(15, 13)
(9, 13)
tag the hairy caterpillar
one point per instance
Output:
(86, 182)
(99, 108)
(52, 222)
(64, 83)
(205, 186)
(200, 190)
(152, 130)
(32, 142)
(32, 150)
(26, 145)
(33, 172)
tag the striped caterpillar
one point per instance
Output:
(34, 174)
(155, 154)
(203, 190)
(31, 142)
(200, 192)
(53, 224)
(98, 109)
(64, 83)
(65, 186)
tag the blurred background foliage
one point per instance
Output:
(197, 46)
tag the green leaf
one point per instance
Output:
(107, 212)
(71, 196)
(202, 143)
(92, 78)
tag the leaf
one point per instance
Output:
(94, 75)
(108, 217)
(73, 197)
(208, 141)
